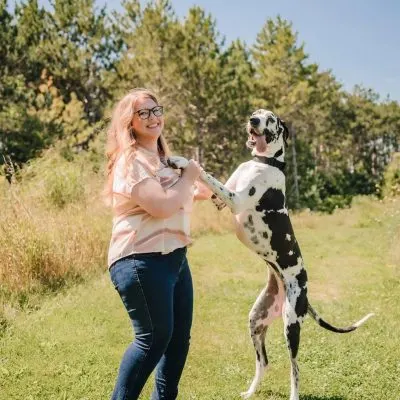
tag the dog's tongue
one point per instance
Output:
(260, 143)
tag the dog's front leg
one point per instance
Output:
(235, 201)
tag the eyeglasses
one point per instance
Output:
(145, 112)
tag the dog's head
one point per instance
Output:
(266, 132)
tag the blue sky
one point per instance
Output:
(359, 40)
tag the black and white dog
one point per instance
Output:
(255, 193)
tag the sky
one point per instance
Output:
(358, 40)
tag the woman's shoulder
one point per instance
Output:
(138, 159)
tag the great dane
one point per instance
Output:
(255, 193)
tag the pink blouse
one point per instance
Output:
(134, 230)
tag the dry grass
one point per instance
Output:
(207, 219)
(43, 248)
(55, 230)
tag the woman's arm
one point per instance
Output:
(160, 203)
(201, 191)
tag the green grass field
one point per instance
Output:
(71, 346)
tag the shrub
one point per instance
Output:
(391, 185)
(64, 185)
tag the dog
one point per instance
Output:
(255, 193)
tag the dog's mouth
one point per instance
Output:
(253, 133)
(251, 141)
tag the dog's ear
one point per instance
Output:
(286, 132)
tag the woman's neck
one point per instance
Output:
(150, 145)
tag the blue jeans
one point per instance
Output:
(157, 292)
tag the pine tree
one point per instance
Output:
(226, 144)
(78, 47)
(18, 140)
(148, 37)
(197, 79)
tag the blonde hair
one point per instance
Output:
(121, 136)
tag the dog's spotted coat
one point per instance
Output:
(255, 193)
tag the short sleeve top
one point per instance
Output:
(134, 230)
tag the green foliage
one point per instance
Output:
(64, 67)
(78, 50)
(149, 38)
(56, 179)
(391, 184)
(232, 106)
(198, 69)
(281, 72)
(51, 83)
(64, 188)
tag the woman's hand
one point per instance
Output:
(192, 171)
(160, 202)
(202, 192)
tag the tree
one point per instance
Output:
(31, 32)
(149, 50)
(233, 107)
(53, 77)
(197, 79)
(16, 140)
(77, 49)
(283, 85)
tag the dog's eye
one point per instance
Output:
(269, 120)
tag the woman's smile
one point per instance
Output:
(153, 125)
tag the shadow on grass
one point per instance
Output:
(282, 396)
(311, 397)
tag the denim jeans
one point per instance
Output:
(156, 290)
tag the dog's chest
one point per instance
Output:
(258, 177)
(265, 226)
(256, 181)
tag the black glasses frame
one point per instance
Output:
(145, 113)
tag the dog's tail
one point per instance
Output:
(314, 315)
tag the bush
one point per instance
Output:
(64, 185)
(331, 203)
(391, 184)
(57, 178)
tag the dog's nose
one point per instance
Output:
(254, 121)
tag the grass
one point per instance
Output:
(55, 230)
(69, 348)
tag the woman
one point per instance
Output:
(147, 254)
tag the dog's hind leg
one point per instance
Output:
(294, 312)
(266, 308)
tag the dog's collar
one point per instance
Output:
(270, 161)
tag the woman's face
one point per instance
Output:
(147, 128)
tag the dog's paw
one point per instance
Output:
(177, 162)
(246, 395)
(218, 202)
